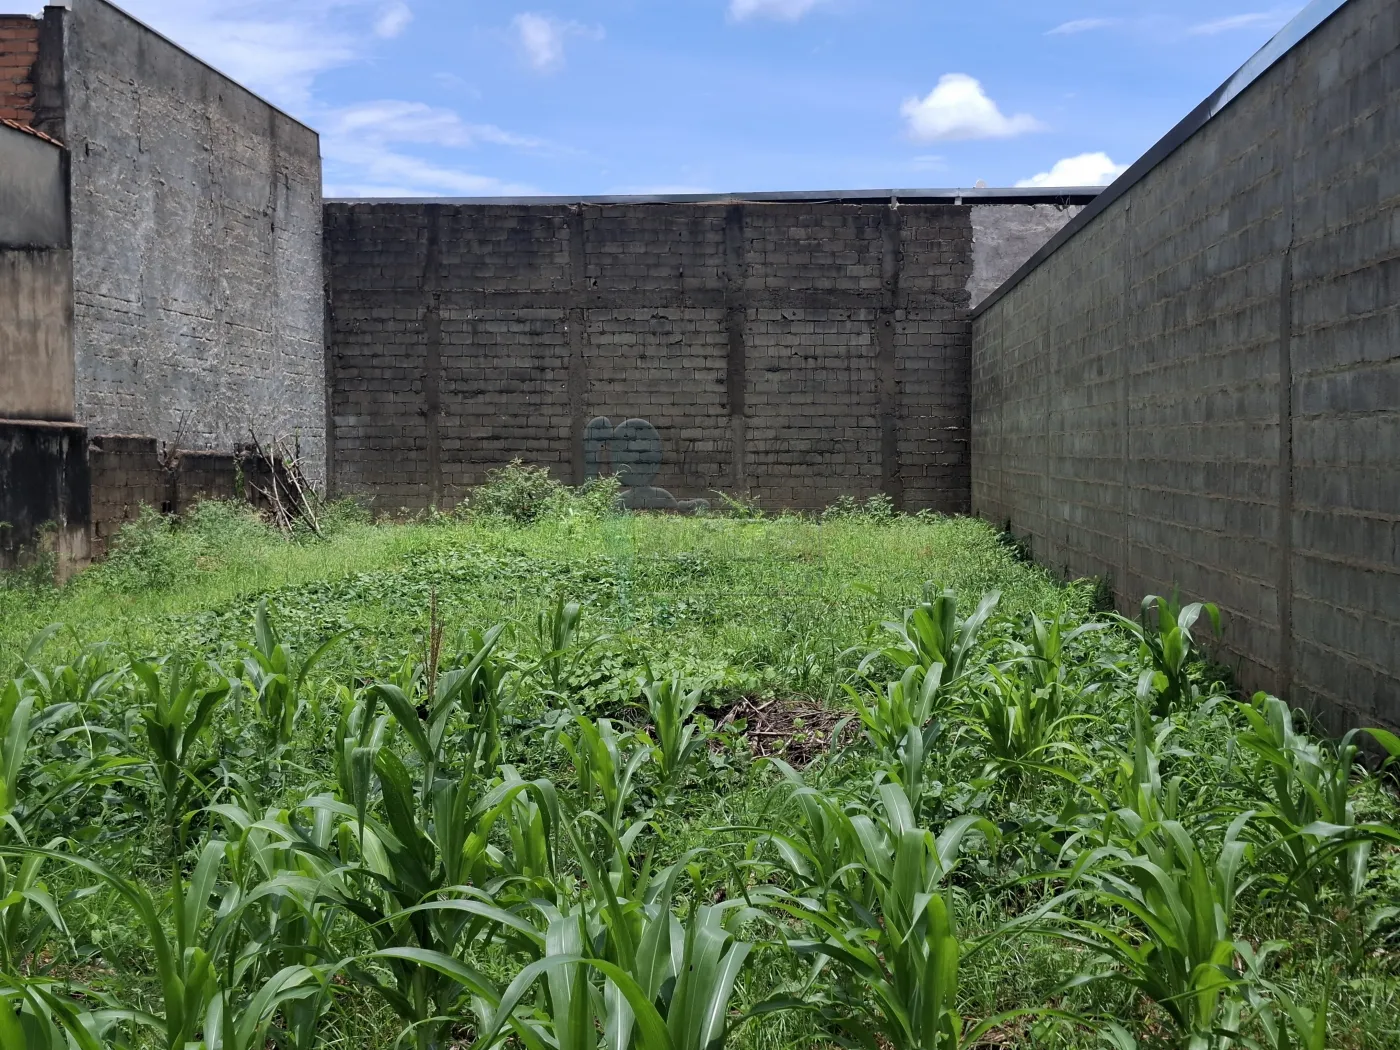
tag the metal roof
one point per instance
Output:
(975, 195)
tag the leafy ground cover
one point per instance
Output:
(545, 776)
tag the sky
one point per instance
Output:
(580, 97)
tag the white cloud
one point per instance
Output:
(274, 48)
(393, 20)
(1081, 25)
(396, 175)
(1087, 169)
(279, 47)
(782, 10)
(958, 108)
(359, 146)
(929, 162)
(392, 120)
(1275, 19)
(542, 38)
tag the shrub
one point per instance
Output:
(147, 555)
(878, 509)
(525, 494)
(340, 514)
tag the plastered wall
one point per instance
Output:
(36, 279)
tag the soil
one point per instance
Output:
(796, 729)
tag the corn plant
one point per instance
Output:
(277, 679)
(1305, 786)
(1178, 942)
(473, 690)
(820, 850)
(606, 775)
(199, 1010)
(909, 764)
(560, 643)
(359, 736)
(419, 881)
(82, 682)
(1019, 720)
(283, 937)
(185, 964)
(1045, 658)
(29, 915)
(177, 709)
(18, 726)
(41, 1014)
(1163, 631)
(899, 955)
(931, 634)
(677, 739)
(911, 703)
(626, 968)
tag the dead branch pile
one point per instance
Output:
(277, 484)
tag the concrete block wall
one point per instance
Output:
(794, 350)
(132, 471)
(196, 236)
(127, 474)
(1200, 389)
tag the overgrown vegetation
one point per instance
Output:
(498, 778)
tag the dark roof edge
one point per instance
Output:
(1285, 40)
(980, 195)
(191, 55)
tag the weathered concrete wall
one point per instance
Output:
(1201, 388)
(36, 344)
(1004, 236)
(43, 482)
(36, 280)
(197, 243)
(798, 350)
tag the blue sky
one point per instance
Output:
(483, 97)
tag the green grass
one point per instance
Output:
(730, 595)
(1064, 775)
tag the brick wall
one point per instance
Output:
(798, 351)
(1199, 388)
(19, 49)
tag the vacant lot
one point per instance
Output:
(615, 780)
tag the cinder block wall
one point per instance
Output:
(196, 236)
(129, 472)
(795, 351)
(1201, 388)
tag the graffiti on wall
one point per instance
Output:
(631, 451)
